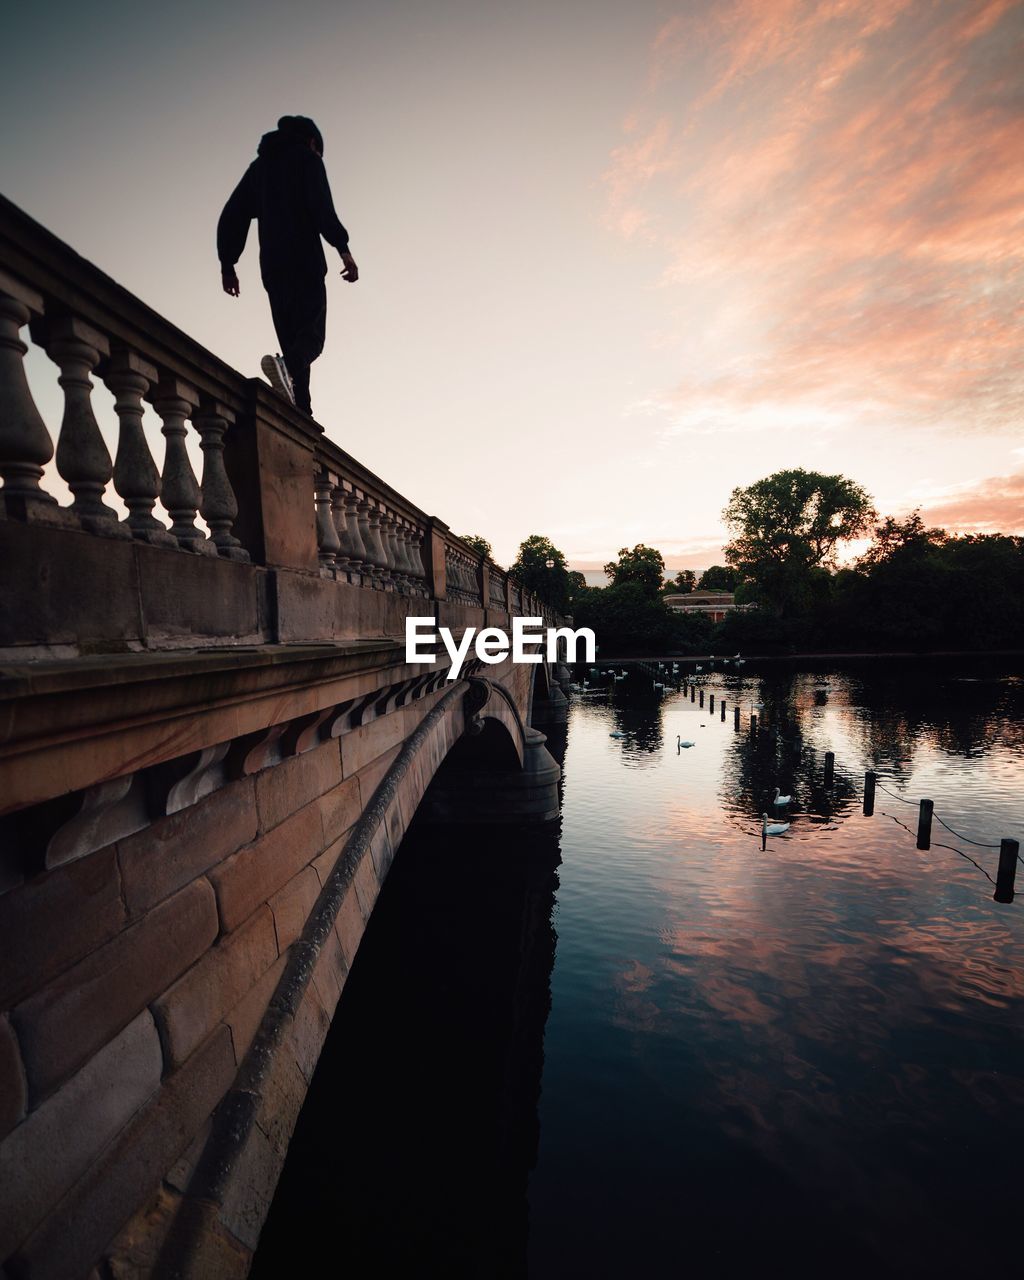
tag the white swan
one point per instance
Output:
(781, 800)
(616, 734)
(772, 828)
(680, 743)
(698, 667)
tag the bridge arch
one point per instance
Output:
(471, 759)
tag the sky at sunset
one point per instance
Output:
(616, 259)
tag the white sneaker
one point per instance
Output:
(276, 373)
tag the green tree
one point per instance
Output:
(480, 545)
(542, 569)
(682, 584)
(642, 565)
(788, 525)
(718, 577)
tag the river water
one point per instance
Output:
(640, 1045)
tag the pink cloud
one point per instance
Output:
(839, 194)
(995, 505)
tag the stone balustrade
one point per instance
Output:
(211, 747)
(275, 503)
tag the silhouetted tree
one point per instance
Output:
(788, 525)
(682, 584)
(531, 568)
(718, 577)
(480, 545)
(643, 565)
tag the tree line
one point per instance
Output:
(911, 587)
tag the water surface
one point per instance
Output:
(678, 1053)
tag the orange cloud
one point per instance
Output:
(839, 193)
(994, 506)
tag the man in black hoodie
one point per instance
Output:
(286, 190)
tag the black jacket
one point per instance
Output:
(286, 190)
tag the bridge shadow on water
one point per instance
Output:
(415, 1143)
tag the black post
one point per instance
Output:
(753, 726)
(701, 703)
(924, 825)
(1008, 851)
(869, 793)
(711, 704)
(693, 693)
(830, 765)
(723, 709)
(736, 719)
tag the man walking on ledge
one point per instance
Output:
(285, 189)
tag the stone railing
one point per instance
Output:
(274, 495)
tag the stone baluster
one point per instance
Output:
(369, 555)
(393, 547)
(83, 459)
(382, 575)
(25, 444)
(219, 504)
(342, 560)
(136, 478)
(405, 561)
(326, 534)
(416, 557)
(371, 540)
(378, 522)
(174, 401)
(466, 575)
(357, 550)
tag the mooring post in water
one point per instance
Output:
(692, 693)
(701, 703)
(723, 709)
(753, 725)
(924, 825)
(1005, 876)
(830, 767)
(736, 719)
(711, 704)
(869, 793)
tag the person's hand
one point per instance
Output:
(351, 272)
(229, 280)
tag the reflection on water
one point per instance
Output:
(806, 1058)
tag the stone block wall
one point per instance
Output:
(134, 980)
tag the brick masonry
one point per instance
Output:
(135, 980)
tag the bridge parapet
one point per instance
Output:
(282, 537)
(211, 745)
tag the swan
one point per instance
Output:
(772, 828)
(616, 734)
(680, 743)
(781, 800)
(698, 667)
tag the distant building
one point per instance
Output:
(716, 604)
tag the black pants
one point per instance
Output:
(299, 309)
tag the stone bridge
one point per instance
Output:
(211, 745)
